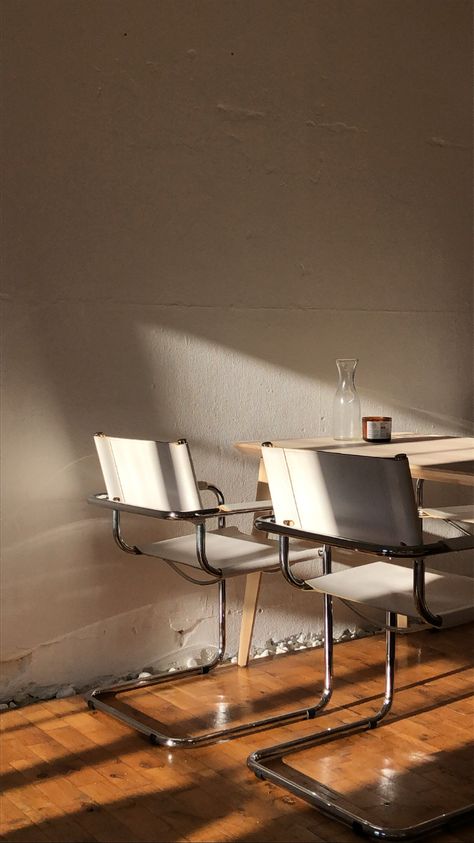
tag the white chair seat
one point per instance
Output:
(231, 551)
(384, 585)
(454, 513)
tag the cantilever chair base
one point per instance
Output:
(269, 764)
(323, 799)
(102, 698)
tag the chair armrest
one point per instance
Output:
(235, 508)
(393, 552)
(459, 543)
(250, 506)
(198, 515)
(101, 499)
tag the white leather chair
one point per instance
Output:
(157, 480)
(364, 504)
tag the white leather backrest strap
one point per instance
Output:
(141, 472)
(281, 489)
(350, 496)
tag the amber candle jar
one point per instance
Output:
(377, 428)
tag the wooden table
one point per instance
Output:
(443, 459)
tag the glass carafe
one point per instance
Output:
(346, 407)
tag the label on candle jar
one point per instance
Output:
(377, 429)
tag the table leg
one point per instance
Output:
(249, 610)
(252, 584)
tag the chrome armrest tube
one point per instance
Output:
(395, 552)
(101, 499)
(243, 508)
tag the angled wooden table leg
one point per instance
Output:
(252, 584)
(249, 610)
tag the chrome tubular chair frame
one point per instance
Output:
(269, 763)
(102, 698)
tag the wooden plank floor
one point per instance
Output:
(69, 774)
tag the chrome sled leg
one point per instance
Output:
(269, 764)
(102, 698)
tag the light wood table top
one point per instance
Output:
(445, 459)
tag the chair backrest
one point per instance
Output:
(141, 472)
(345, 495)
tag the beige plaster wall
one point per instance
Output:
(205, 204)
